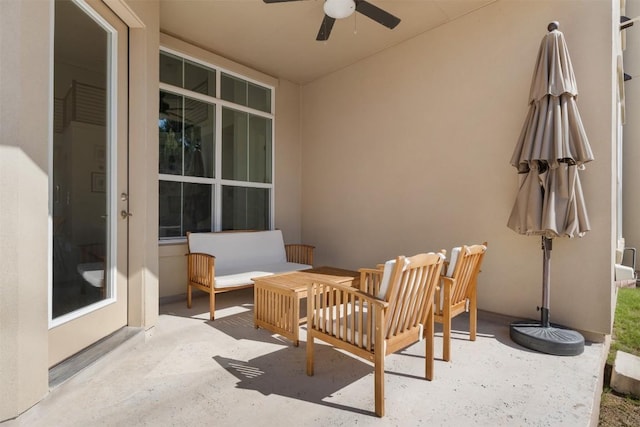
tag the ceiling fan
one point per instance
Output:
(338, 9)
(166, 109)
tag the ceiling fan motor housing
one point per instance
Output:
(339, 9)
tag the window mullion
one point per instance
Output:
(217, 173)
(248, 165)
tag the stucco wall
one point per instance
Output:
(409, 150)
(143, 174)
(631, 171)
(24, 258)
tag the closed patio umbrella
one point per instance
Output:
(551, 149)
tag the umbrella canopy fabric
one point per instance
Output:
(552, 147)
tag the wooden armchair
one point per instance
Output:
(389, 312)
(457, 292)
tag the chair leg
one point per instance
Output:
(446, 334)
(212, 304)
(188, 296)
(473, 318)
(309, 354)
(379, 383)
(428, 358)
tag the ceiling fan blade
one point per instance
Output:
(377, 14)
(278, 1)
(325, 28)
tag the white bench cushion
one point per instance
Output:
(240, 250)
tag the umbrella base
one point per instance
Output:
(553, 339)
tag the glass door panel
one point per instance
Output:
(80, 162)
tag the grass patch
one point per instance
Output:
(617, 410)
(626, 324)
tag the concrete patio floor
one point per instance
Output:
(190, 371)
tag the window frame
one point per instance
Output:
(217, 182)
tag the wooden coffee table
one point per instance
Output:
(277, 298)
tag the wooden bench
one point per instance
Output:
(227, 261)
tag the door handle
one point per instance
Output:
(125, 214)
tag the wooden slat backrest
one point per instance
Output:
(411, 292)
(466, 271)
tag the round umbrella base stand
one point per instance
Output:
(553, 339)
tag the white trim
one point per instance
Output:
(217, 191)
(112, 170)
(50, 165)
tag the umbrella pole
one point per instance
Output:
(543, 336)
(546, 279)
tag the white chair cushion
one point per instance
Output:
(360, 339)
(452, 261)
(386, 277)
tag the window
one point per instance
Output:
(215, 135)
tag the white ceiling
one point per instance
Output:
(279, 39)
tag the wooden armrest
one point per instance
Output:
(443, 291)
(371, 270)
(299, 253)
(446, 285)
(199, 254)
(201, 269)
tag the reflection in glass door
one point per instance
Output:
(81, 161)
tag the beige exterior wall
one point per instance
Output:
(288, 162)
(409, 151)
(25, 58)
(631, 171)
